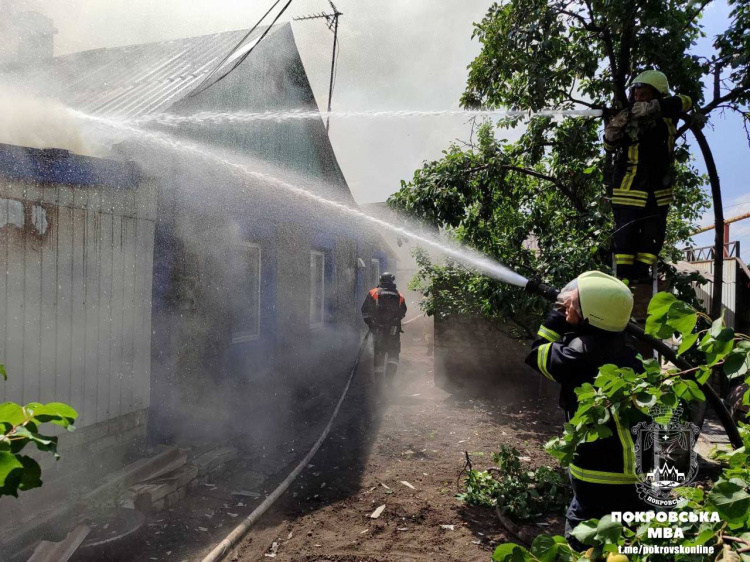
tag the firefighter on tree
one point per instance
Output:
(382, 311)
(642, 138)
(584, 332)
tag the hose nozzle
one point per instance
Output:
(536, 287)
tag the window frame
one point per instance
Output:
(322, 255)
(244, 337)
(375, 279)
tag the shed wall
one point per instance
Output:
(75, 296)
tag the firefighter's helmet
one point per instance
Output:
(606, 302)
(387, 277)
(654, 78)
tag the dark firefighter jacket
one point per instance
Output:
(572, 358)
(643, 159)
(384, 307)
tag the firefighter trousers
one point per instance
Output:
(638, 237)
(387, 348)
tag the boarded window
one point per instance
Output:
(246, 289)
(317, 288)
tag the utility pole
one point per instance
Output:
(332, 20)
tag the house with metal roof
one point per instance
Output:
(255, 290)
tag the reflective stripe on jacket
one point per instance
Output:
(643, 165)
(571, 358)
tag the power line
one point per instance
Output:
(204, 85)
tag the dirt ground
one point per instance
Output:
(405, 453)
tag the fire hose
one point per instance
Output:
(241, 530)
(536, 287)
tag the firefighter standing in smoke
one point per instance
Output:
(642, 138)
(382, 311)
(584, 332)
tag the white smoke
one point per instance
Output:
(39, 122)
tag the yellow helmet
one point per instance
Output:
(653, 78)
(606, 302)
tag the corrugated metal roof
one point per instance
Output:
(131, 81)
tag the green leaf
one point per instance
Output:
(544, 548)
(736, 364)
(54, 412)
(682, 318)
(730, 500)
(12, 413)
(8, 464)
(691, 493)
(509, 552)
(661, 302)
(3, 373)
(702, 538)
(43, 442)
(717, 326)
(586, 532)
(687, 342)
(32, 474)
(608, 530)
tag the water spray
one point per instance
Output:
(212, 117)
(462, 254)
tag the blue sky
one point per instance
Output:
(730, 149)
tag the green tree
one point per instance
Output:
(547, 190)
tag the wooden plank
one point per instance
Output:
(48, 344)
(91, 343)
(60, 551)
(118, 291)
(128, 310)
(32, 314)
(64, 312)
(144, 271)
(105, 312)
(78, 311)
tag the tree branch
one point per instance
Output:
(587, 25)
(553, 180)
(569, 194)
(623, 60)
(697, 12)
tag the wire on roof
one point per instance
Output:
(205, 84)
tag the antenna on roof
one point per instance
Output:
(332, 20)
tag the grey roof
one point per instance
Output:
(132, 81)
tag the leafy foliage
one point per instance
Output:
(517, 492)
(19, 427)
(629, 395)
(539, 204)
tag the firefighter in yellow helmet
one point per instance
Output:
(580, 335)
(642, 138)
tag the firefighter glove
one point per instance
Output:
(645, 108)
(614, 130)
